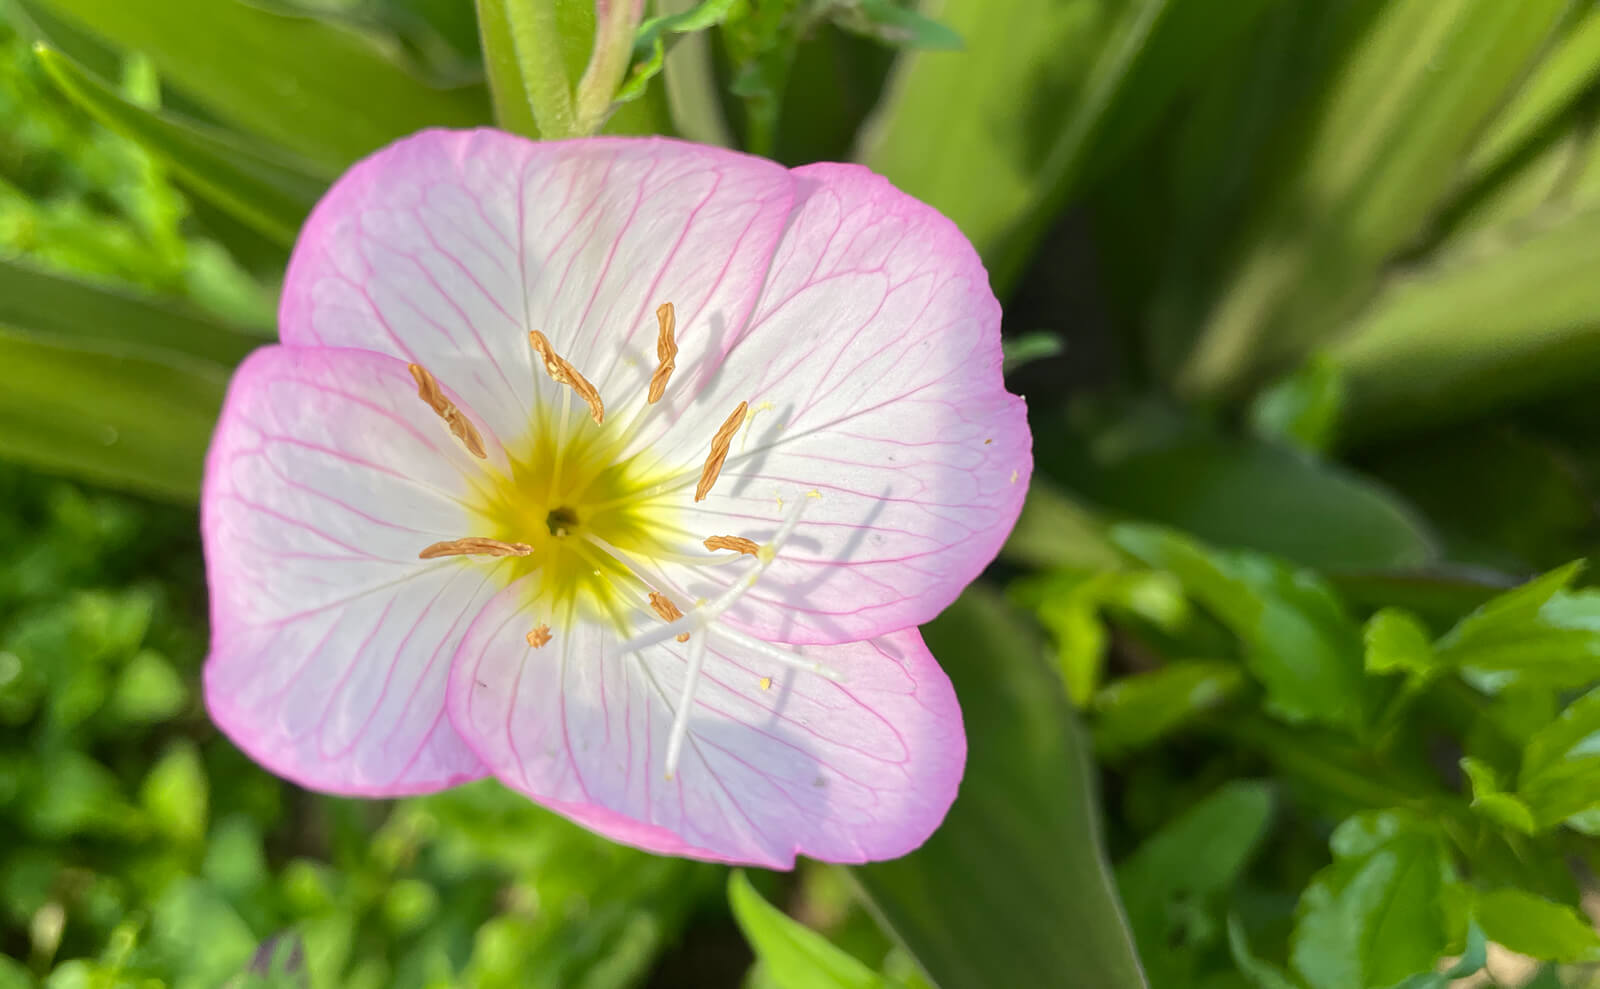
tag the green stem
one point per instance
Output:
(521, 41)
(617, 22)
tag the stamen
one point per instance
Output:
(539, 637)
(563, 373)
(719, 452)
(428, 390)
(666, 351)
(738, 543)
(663, 606)
(474, 546)
(680, 718)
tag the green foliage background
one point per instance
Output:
(1289, 677)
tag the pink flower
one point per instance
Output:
(449, 534)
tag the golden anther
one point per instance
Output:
(428, 390)
(474, 546)
(563, 373)
(539, 636)
(663, 606)
(739, 543)
(719, 452)
(666, 350)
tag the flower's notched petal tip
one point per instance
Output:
(776, 764)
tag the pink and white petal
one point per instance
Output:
(447, 247)
(872, 369)
(330, 639)
(776, 763)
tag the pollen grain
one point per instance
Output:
(563, 373)
(474, 546)
(429, 391)
(539, 637)
(719, 451)
(739, 543)
(666, 351)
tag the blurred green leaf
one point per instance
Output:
(265, 191)
(75, 795)
(893, 24)
(1479, 328)
(1133, 711)
(1398, 643)
(176, 794)
(1383, 142)
(1374, 916)
(1557, 81)
(1298, 641)
(37, 301)
(1302, 409)
(1024, 350)
(795, 956)
(1068, 604)
(1018, 859)
(148, 690)
(1173, 882)
(1039, 87)
(117, 414)
(1256, 496)
(1492, 801)
(1258, 973)
(1535, 635)
(1560, 773)
(199, 934)
(1537, 927)
(319, 89)
(1057, 532)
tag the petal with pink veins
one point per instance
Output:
(776, 763)
(871, 368)
(446, 248)
(331, 640)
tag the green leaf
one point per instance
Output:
(112, 413)
(148, 690)
(1024, 350)
(1298, 641)
(1018, 860)
(196, 932)
(1027, 107)
(650, 43)
(1534, 926)
(314, 87)
(1134, 711)
(176, 793)
(1397, 642)
(1560, 78)
(895, 25)
(1303, 409)
(1535, 635)
(1375, 915)
(37, 301)
(1256, 496)
(1480, 328)
(1173, 884)
(1056, 531)
(265, 191)
(1383, 139)
(1560, 773)
(1069, 604)
(795, 956)
(1261, 974)
(1491, 800)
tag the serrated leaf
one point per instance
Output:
(1536, 635)
(267, 192)
(795, 956)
